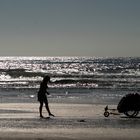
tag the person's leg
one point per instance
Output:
(40, 109)
(47, 108)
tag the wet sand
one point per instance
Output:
(72, 122)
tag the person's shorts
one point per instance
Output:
(42, 99)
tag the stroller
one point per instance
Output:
(129, 105)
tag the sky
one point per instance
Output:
(100, 28)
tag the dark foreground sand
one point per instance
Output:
(72, 122)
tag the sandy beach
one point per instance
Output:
(72, 122)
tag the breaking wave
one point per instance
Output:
(70, 72)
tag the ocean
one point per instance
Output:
(73, 79)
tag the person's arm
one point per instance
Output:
(48, 93)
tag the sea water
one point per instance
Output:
(73, 79)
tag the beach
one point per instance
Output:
(80, 89)
(71, 122)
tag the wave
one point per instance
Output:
(87, 72)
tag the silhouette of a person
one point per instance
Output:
(42, 98)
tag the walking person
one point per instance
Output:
(42, 98)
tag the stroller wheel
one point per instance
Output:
(131, 113)
(106, 113)
(136, 113)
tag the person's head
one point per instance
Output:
(46, 79)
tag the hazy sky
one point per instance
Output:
(70, 28)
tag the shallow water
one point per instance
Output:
(57, 95)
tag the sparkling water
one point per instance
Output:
(90, 77)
